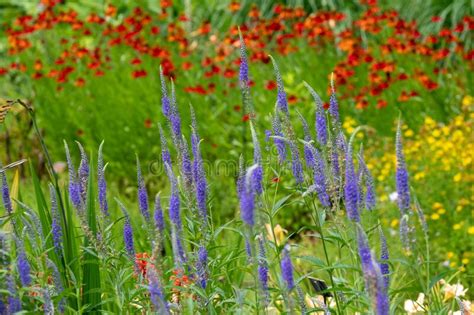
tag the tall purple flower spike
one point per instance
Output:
(351, 191)
(165, 153)
(56, 228)
(401, 175)
(278, 134)
(320, 124)
(374, 280)
(199, 175)
(366, 177)
(174, 203)
(127, 232)
(83, 173)
(287, 269)
(158, 215)
(165, 100)
(202, 266)
(142, 193)
(281, 94)
(74, 186)
(102, 183)
(7, 203)
(257, 175)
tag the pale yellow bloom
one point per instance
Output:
(278, 234)
(452, 291)
(414, 307)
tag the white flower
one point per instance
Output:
(393, 196)
(413, 307)
(453, 291)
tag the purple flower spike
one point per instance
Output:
(321, 125)
(366, 176)
(351, 191)
(333, 106)
(174, 203)
(257, 175)
(202, 266)
(6, 193)
(158, 215)
(14, 303)
(244, 65)
(246, 195)
(165, 153)
(56, 228)
(287, 269)
(83, 173)
(74, 186)
(142, 193)
(186, 164)
(281, 96)
(23, 266)
(401, 175)
(263, 269)
(165, 100)
(174, 118)
(279, 143)
(127, 233)
(319, 175)
(384, 267)
(128, 238)
(102, 184)
(296, 166)
(156, 292)
(199, 175)
(374, 281)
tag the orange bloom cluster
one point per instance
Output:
(142, 261)
(180, 280)
(157, 36)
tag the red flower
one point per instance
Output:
(79, 82)
(136, 61)
(292, 99)
(381, 104)
(186, 65)
(3, 71)
(435, 19)
(270, 85)
(275, 180)
(139, 73)
(148, 123)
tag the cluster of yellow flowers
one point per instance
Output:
(440, 158)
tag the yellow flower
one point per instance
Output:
(419, 175)
(441, 211)
(450, 255)
(278, 231)
(434, 216)
(457, 226)
(457, 177)
(409, 133)
(452, 291)
(467, 101)
(465, 261)
(470, 230)
(394, 223)
(437, 205)
(436, 133)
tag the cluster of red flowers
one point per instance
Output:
(151, 35)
